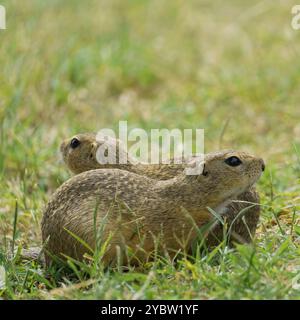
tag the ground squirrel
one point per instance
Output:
(79, 154)
(140, 213)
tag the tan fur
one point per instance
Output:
(83, 158)
(138, 212)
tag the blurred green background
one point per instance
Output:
(71, 66)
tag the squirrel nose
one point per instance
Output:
(263, 166)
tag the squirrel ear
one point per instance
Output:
(94, 145)
(196, 166)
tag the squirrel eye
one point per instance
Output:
(74, 143)
(233, 161)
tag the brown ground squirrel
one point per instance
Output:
(79, 154)
(140, 213)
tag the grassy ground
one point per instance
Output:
(72, 66)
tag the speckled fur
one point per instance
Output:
(83, 159)
(136, 210)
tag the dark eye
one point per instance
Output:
(233, 161)
(74, 143)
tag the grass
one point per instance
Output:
(69, 67)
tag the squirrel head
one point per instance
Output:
(79, 152)
(225, 173)
(88, 151)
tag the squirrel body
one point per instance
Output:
(84, 158)
(138, 214)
